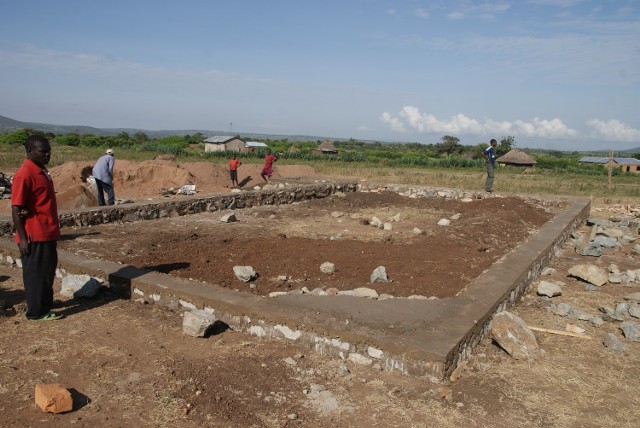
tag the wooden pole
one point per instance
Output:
(560, 332)
(610, 163)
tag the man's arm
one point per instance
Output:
(19, 213)
(484, 155)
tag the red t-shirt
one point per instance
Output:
(268, 160)
(32, 188)
(233, 164)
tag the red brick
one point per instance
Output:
(53, 398)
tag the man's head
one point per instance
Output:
(110, 152)
(233, 156)
(268, 151)
(38, 150)
(493, 142)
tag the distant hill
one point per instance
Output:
(632, 151)
(9, 125)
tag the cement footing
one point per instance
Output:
(426, 338)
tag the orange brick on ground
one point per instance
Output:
(53, 398)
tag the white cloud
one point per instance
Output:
(364, 128)
(423, 123)
(393, 122)
(559, 3)
(613, 130)
(421, 13)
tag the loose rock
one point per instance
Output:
(612, 342)
(513, 335)
(244, 273)
(590, 273)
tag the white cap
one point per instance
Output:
(110, 151)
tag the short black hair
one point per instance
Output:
(33, 141)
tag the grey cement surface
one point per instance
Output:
(422, 337)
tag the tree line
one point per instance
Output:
(447, 153)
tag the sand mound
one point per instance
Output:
(144, 180)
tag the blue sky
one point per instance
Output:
(561, 74)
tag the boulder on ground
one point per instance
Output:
(196, 322)
(512, 334)
(590, 273)
(379, 274)
(244, 273)
(79, 286)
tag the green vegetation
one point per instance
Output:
(446, 163)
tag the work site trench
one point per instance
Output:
(406, 278)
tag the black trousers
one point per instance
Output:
(38, 273)
(105, 188)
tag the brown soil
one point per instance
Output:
(294, 240)
(129, 365)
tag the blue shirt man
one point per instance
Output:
(103, 174)
(489, 155)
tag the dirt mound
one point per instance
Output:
(144, 180)
(76, 196)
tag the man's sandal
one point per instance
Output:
(51, 316)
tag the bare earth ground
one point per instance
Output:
(130, 365)
(294, 240)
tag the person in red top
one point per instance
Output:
(35, 214)
(233, 170)
(267, 171)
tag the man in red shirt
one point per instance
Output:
(35, 214)
(233, 170)
(269, 159)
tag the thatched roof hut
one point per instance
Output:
(293, 149)
(326, 148)
(516, 157)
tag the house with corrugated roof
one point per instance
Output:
(220, 143)
(252, 146)
(625, 164)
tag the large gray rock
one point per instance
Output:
(611, 232)
(585, 248)
(604, 241)
(549, 289)
(327, 267)
(228, 218)
(512, 334)
(612, 342)
(379, 274)
(633, 296)
(79, 286)
(631, 330)
(244, 273)
(196, 322)
(366, 292)
(590, 273)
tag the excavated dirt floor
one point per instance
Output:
(292, 241)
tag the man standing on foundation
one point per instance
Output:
(35, 214)
(489, 155)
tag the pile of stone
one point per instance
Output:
(607, 234)
(5, 186)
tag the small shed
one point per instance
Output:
(326, 148)
(516, 157)
(252, 146)
(220, 143)
(625, 164)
